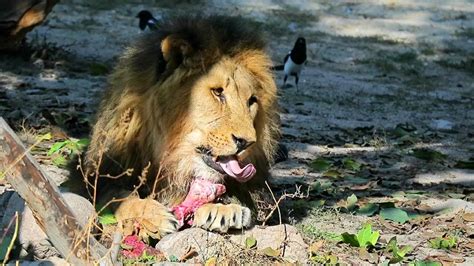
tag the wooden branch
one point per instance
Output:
(43, 198)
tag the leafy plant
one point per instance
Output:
(61, 151)
(365, 237)
(398, 253)
(447, 242)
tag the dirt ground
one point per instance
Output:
(384, 109)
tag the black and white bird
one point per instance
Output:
(146, 20)
(294, 61)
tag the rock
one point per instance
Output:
(209, 244)
(274, 236)
(178, 244)
(33, 241)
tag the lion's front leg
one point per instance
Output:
(219, 217)
(152, 218)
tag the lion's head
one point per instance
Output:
(198, 100)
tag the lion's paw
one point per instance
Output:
(147, 216)
(221, 218)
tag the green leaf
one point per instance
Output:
(173, 258)
(250, 242)
(351, 164)
(320, 165)
(448, 242)
(368, 210)
(350, 239)
(332, 173)
(464, 164)
(107, 218)
(366, 237)
(56, 147)
(395, 214)
(428, 155)
(351, 202)
(398, 254)
(59, 160)
(270, 252)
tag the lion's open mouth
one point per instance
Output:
(228, 165)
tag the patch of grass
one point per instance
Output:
(314, 233)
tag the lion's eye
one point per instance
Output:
(218, 92)
(252, 100)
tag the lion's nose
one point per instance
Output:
(241, 143)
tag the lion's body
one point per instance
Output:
(161, 105)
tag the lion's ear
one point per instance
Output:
(175, 49)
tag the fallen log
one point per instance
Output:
(48, 206)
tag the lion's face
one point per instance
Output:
(225, 105)
(198, 100)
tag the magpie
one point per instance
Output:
(294, 61)
(146, 19)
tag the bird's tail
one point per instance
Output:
(279, 67)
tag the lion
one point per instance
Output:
(194, 99)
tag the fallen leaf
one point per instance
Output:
(315, 247)
(368, 209)
(366, 186)
(211, 261)
(468, 217)
(365, 255)
(320, 165)
(395, 214)
(351, 202)
(351, 164)
(270, 252)
(428, 155)
(332, 173)
(250, 242)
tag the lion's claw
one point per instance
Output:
(147, 216)
(221, 218)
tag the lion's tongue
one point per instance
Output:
(232, 167)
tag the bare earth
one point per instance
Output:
(384, 109)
